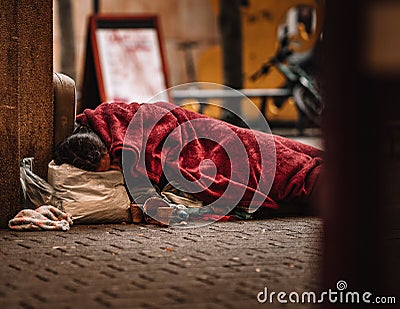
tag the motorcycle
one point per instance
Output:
(302, 87)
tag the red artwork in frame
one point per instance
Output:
(124, 60)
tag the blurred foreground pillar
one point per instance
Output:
(362, 156)
(26, 92)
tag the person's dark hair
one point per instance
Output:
(81, 128)
(82, 150)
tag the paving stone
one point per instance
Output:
(223, 265)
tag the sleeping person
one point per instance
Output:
(222, 165)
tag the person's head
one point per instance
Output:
(84, 150)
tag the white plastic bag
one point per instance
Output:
(90, 197)
(35, 190)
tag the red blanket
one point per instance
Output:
(217, 162)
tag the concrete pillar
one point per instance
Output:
(26, 92)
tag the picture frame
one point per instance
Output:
(125, 60)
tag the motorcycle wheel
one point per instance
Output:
(308, 103)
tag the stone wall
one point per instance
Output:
(26, 92)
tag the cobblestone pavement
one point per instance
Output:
(223, 265)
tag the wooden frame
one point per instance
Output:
(124, 60)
